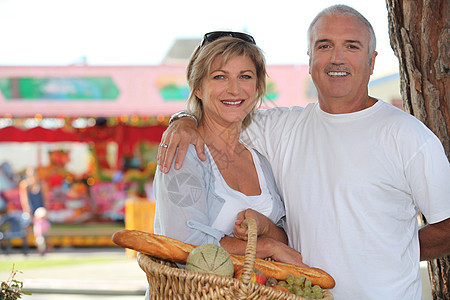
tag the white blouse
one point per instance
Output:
(237, 201)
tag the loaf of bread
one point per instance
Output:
(177, 251)
(280, 270)
(153, 244)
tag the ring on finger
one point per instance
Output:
(164, 145)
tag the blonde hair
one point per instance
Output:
(228, 47)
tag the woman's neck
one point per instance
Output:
(224, 138)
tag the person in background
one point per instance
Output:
(33, 192)
(41, 226)
(200, 202)
(354, 171)
(8, 181)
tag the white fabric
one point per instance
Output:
(237, 201)
(189, 201)
(352, 186)
(192, 203)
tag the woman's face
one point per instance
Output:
(228, 91)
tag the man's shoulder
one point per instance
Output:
(404, 125)
(282, 110)
(283, 113)
(394, 114)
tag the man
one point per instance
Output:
(353, 170)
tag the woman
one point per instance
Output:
(205, 202)
(33, 192)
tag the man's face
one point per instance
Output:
(339, 61)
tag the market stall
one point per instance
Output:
(82, 206)
(120, 113)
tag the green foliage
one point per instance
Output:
(11, 289)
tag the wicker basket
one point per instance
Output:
(167, 281)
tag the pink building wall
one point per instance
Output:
(140, 90)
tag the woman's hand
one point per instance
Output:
(265, 226)
(262, 223)
(180, 134)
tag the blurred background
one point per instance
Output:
(86, 90)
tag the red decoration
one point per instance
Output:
(126, 136)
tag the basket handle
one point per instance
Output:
(250, 250)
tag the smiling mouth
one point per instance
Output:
(338, 74)
(232, 102)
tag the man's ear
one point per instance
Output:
(372, 61)
(309, 63)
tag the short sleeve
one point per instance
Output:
(430, 187)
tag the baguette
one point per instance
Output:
(177, 251)
(153, 245)
(280, 270)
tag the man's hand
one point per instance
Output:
(179, 135)
(278, 251)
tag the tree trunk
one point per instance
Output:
(418, 32)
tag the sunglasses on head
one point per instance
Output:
(212, 36)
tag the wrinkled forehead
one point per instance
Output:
(337, 28)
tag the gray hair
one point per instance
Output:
(344, 10)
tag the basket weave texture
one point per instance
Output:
(167, 281)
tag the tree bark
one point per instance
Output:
(418, 31)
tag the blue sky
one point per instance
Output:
(139, 32)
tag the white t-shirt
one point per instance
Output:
(352, 186)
